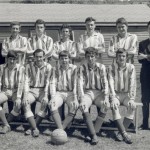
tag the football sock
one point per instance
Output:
(120, 126)
(57, 119)
(10, 117)
(32, 123)
(89, 123)
(3, 118)
(38, 120)
(68, 120)
(99, 121)
(127, 122)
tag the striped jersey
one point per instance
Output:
(44, 42)
(122, 79)
(9, 44)
(36, 77)
(92, 79)
(96, 40)
(129, 43)
(69, 45)
(64, 80)
(12, 79)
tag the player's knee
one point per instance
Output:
(83, 107)
(53, 106)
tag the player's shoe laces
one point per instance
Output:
(28, 132)
(35, 132)
(5, 129)
(127, 138)
(118, 136)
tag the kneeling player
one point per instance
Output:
(36, 88)
(63, 89)
(11, 82)
(93, 89)
(122, 82)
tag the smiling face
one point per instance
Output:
(40, 29)
(15, 29)
(90, 26)
(39, 58)
(122, 29)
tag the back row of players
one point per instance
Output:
(76, 78)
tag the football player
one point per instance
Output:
(124, 40)
(63, 89)
(36, 89)
(122, 82)
(93, 89)
(91, 38)
(11, 87)
(15, 43)
(40, 40)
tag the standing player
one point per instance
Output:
(15, 43)
(36, 88)
(65, 43)
(11, 85)
(63, 88)
(40, 40)
(91, 38)
(123, 40)
(122, 82)
(144, 59)
(93, 89)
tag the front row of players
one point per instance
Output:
(79, 88)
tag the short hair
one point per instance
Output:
(12, 54)
(38, 51)
(90, 50)
(64, 53)
(122, 21)
(121, 51)
(148, 23)
(39, 21)
(89, 19)
(15, 23)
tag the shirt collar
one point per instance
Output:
(94, 68)
(43, 37)
(18, 37)
(44, 64)
(94, 33)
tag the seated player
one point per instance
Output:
(11, 83)
(36, 89)
(122, 82)
(63, 90)
(93, 89)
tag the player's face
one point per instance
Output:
(15, 29)
(40, 28)
(91, 58)
(65, 33)
(90, 26)
(64, 61)
(149, 30)
(122, 28)
(121, 58)
(39, 58)
(11, 62)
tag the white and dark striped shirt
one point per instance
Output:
(96, 40)
(45, 43)
(36, 77)
(122, 79)
(92, 79)
(12, 79)
(64, 80)
(129, 43)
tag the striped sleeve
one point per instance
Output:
(49, 47)
(101, 44)
(27, 79)
(111, 48)
(74, 77)
(132, 83)
(5, 47)
(20, 81)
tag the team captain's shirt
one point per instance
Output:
(92, 79)
(36, 77)
(129, 43)
(44, 42)
(18, 43)
(12, 79)
(64, 80)
(68, 45)
(122, 79)
(95, 40)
